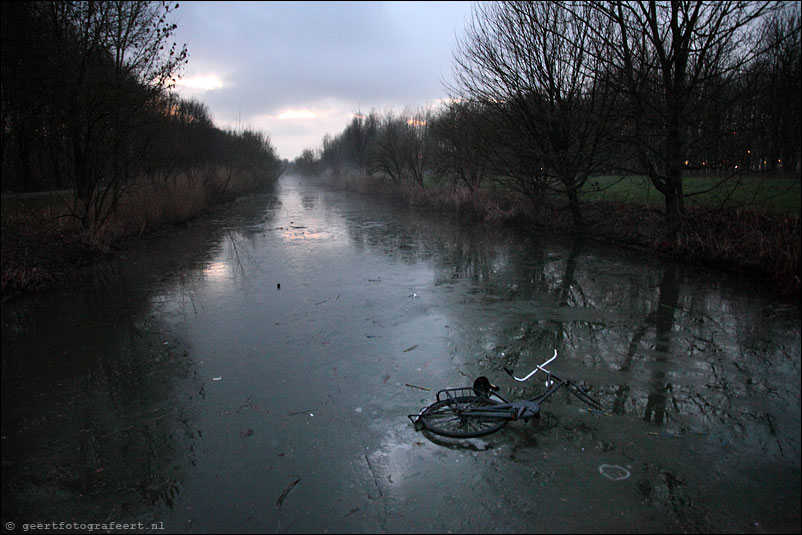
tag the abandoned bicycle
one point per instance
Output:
(478, 410)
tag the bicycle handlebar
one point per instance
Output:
(538, 368)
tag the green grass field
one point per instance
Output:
(775, 194)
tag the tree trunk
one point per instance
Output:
(674, 197)
(575, 208)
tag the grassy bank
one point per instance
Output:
(736, 233)
(42, 242)
(780, 195)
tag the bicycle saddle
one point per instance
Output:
(483, 386)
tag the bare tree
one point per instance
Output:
(542, 69)
(387, 156)
(113, 60)
(775, 86)
(460, 144)
(417, 144)
(358, 137)
(671, 59)
(403, 146)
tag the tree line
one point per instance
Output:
(87, 105)
(548, 95)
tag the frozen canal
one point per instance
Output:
(253, 372)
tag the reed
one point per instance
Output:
(754, 241)
(43, 243)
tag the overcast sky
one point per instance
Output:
(299, 70)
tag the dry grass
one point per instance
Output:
(42, 243)
(175, 198)
(754, 241)
(764, 244)
(38, 247)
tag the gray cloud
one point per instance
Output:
(275, 56)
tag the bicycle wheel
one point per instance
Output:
(448, 417)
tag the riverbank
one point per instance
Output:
(749, 241)
(42, 245)
(40, 249)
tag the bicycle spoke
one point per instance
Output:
(453, 417)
